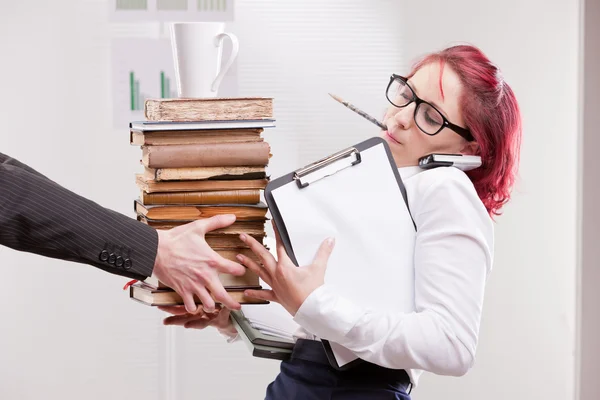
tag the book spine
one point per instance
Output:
(207, 155)
(217, 197)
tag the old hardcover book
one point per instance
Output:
(153, 186)
(209, 109)
(167, 138)
(197, 173)
(154, 126)
(256, 227)
(243, 212)
(217, 197)
(167, 297)
(246, 281)
(229, 241)
(206, 155)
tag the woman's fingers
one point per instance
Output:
(264, 294)
(254, 267)
(324, 252)
(262, 253)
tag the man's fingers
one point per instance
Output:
(324, 252)
(220, 294)
(227, 266)
(216, 222)
(188, 301)
(263, 254)
(264, 294)
(208, 304)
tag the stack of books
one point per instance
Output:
(203, 157)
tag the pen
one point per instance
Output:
(359, 112)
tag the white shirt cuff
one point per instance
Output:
(328, 315)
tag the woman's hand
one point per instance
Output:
(290, 285)
(200, 319)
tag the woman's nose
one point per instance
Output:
(404, 116)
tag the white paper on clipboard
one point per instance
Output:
(363, 208)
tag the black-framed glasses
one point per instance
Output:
(428, 118)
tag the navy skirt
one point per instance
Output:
(307, 375)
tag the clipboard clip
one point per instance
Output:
(300, 175)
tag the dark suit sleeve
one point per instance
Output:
(39, 216)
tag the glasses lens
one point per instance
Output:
(429, 119)
(399, 94)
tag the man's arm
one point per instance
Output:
(39, 216)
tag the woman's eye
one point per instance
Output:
(432, 119)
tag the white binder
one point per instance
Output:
(356, 196)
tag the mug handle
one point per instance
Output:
(235, 46)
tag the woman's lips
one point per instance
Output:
(391, 137)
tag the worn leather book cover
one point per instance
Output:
(217, 197)
(195, 173)
(206, 155)
(243, 212)
(167, 138)
(152, 186)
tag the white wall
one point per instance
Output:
(68, 331)
(589, 348)
(527, 340)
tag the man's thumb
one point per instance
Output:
(216, 222)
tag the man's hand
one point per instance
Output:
(218, 319)
(187, 264)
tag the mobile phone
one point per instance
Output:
(460, 161)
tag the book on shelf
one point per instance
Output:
(206, 155)
(197, 173)
(208, 185)
(168, 297)
(243, 212)
(251, 196)
(151, 126)
(168, 138)
(209, 109)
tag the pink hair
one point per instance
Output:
(492, 114)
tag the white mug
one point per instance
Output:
(197, 50)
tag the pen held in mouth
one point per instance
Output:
(359, 112)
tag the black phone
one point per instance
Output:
(460, 161)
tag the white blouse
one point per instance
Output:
(453, 258)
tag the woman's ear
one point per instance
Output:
(471, 149)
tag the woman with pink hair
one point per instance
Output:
(453, 101)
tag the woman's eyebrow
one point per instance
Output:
(440, 109)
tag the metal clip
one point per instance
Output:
(303, 172)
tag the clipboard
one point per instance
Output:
(357, 196)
